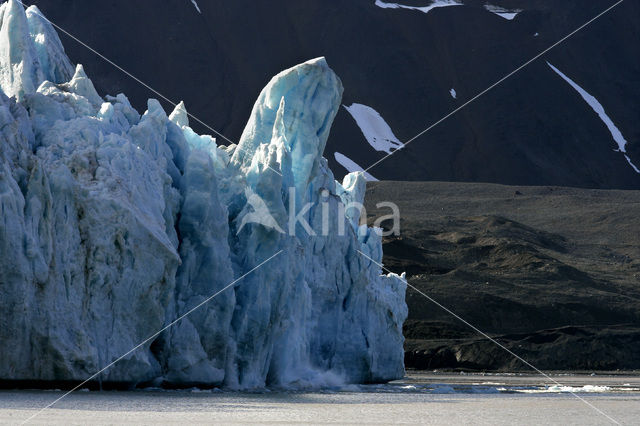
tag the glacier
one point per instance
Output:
(114, 224)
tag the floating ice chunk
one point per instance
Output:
(579, 389)
(424, 9)
(453, 93)
(599, 109)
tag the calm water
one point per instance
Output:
(425, 399)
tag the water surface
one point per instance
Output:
(418, 399)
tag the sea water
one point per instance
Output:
(418, 399)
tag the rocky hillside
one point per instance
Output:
(552, 273)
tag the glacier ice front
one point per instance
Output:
(114, 224)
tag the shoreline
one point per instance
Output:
(421, 378)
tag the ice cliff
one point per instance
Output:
(113, 224)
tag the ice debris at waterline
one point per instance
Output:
(113, 224)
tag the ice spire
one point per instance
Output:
(179, 115)
(30, 51)
(81, 85)
(54, 62)
(20, 71)
(301, 103)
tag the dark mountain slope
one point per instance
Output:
(552, 273)
(533, 129)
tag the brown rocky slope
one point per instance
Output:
(551, 273)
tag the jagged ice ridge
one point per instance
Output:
(113, 224)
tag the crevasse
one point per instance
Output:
(114, 224)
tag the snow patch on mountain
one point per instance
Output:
(631, 164)
(375, 130)
(507, 14)
(599, 109)
(423, 9)
(195, 4)
(352, 166)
